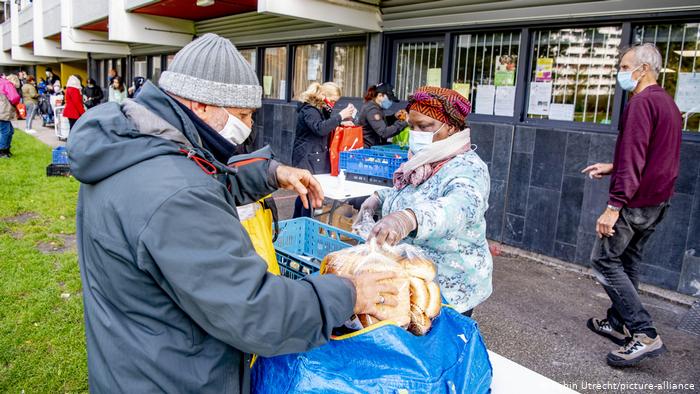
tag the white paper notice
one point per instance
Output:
(688, 92)
(540, 96)
(485, 96)
(561, 112)
(283, 89)
(505, 101)
(312, 69)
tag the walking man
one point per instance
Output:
(643, 175)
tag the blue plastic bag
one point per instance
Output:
(385, 358)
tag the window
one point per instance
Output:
(308, 67)
(169, 60)
(275, 73)
(349, 68)
(485, 71)
(418, 64)
(574, 74)
(251, 55)
(679, 45)
(140, 67)
(155, 69)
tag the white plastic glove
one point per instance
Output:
(394, 227)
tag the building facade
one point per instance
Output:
(541, 75)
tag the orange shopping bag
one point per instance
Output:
(21, 111)
(342, 139)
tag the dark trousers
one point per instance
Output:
(615, 261)
(71, 122)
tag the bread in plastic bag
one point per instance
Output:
(418, 299)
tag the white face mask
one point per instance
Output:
(235, 130)
(418, 140)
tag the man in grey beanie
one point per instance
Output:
(176, 299)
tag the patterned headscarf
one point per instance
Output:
(441, 104)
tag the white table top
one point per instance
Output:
(351, 189)
(511, 377)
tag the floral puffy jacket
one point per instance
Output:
(450, 209)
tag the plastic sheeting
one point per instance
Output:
(384, 358)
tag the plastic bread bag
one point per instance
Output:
(424, 289)
(418, 300)
(364, 225)
(372, 258)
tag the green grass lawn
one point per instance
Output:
(42, 343)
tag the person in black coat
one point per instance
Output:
(93, 94)
(375, 130)
(314, 125)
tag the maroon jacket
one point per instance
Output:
(647, 153)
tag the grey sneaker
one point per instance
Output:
(637, 349)
(603, 328)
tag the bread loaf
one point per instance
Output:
(420, 322)
(419, 293)
(420, 268)
(418, 298)
(434, 300)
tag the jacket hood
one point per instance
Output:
(112, 137)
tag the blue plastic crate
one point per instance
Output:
(59, 155)
(303, 243)
(372, 162)
(392, 147)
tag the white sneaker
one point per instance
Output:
(30, 131)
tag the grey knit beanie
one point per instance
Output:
(210, 70)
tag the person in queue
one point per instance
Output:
(93, 94)
(117, 90)
(175, 297)
(315, 122)
(642, 180)
(74, 106)
(440, 197)
(375, 130)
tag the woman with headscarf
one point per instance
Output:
(93, 94)
(74, 108)
(440, 197)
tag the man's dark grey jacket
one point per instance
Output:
(175, 296)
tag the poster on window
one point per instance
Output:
(434, 77)
(283, 89)
(561, 112)
(267, 84)
(462, 88)
(688, 92)
(543, 71)
(540, 97)
(505, 71)
(505, 101)
(485, 96)
(312, 68)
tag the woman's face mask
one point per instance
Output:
(386, 102)
(418, 139)
(235, 130)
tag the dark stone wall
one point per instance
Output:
(541, 202)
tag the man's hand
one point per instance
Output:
(394, 227)
(606, 222)
(598, 170)
(302, 182)
(371, 291)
